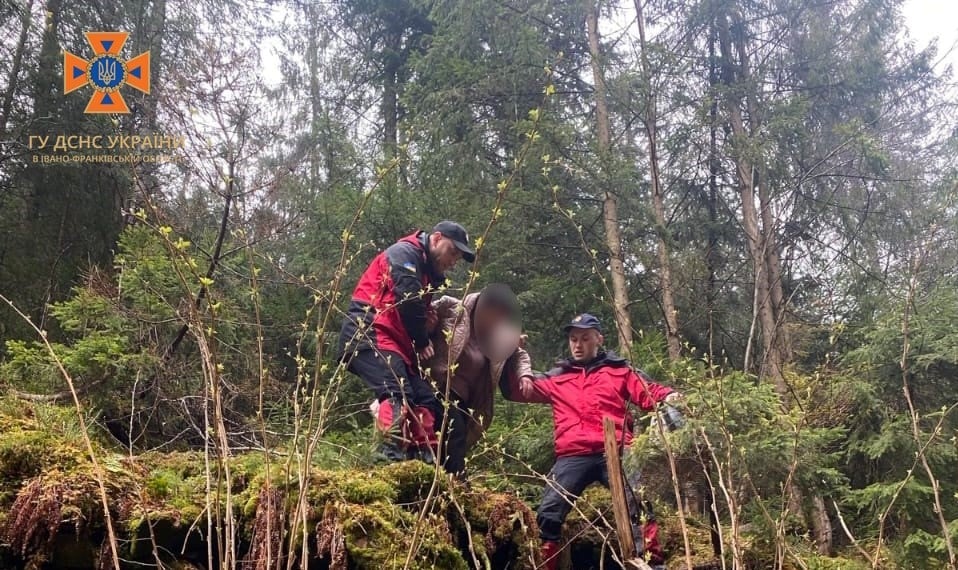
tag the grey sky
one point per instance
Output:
(930, 19)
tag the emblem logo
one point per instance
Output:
(106, 72)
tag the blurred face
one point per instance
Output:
(501, 341)
(584, 344)
(443, 253)
(487, 320)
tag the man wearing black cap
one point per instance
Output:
(582, 390)
(385, 334)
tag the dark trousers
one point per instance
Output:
(454, 441)
(568, 479)
(388, 376)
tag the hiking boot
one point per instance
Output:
(424, 454)
(389, 452)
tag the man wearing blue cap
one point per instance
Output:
(582, 390)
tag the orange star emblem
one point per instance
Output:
(106, 72)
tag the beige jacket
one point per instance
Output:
(455, 326)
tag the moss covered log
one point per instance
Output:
(51, 517)
(355, 519)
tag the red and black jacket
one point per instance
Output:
(388, 307)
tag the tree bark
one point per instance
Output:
(390, 102)
(15, 66)
(711, 254)
(773, 272)
(315, 99)
(759, 229)
(673, 341)
(773, 263)
(610, 214)
(154, 31)
(745, 173)
(149, 34)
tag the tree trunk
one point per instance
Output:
(149, 35)
(711, 254)
(745, 173)
(315, 100)
(390, 103)
(658, 201)
(15, 66)
(155, 31)
(610, 215)
(759, 229)
(773, 271)
(48, 83)
(773, 263)
(821, 524)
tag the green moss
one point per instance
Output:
(380, 535)
(585, 524)
(352, 487)
(43, 462)
(35, 439)
(177, 479)
(31, 442)
(700, 537)
(163, 483)
(403, 482)
(411, 479)
(250, 504)
(584, 520)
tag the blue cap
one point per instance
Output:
(583, 321)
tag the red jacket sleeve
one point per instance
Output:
(541, 393)
(645, 392)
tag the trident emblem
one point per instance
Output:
(106, 68)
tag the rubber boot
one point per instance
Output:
(653, 549)
(425, 443)
(550, 555)
(389, 421)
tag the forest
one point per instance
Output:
(757, 197)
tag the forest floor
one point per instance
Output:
(51, 510)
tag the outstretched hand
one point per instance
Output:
(525, 386)
(674, 399)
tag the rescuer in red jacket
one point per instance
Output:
(385, 334)
(582, 390)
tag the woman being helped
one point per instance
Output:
(477, 343)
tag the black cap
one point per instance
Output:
(583, 321)
(458, 235)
